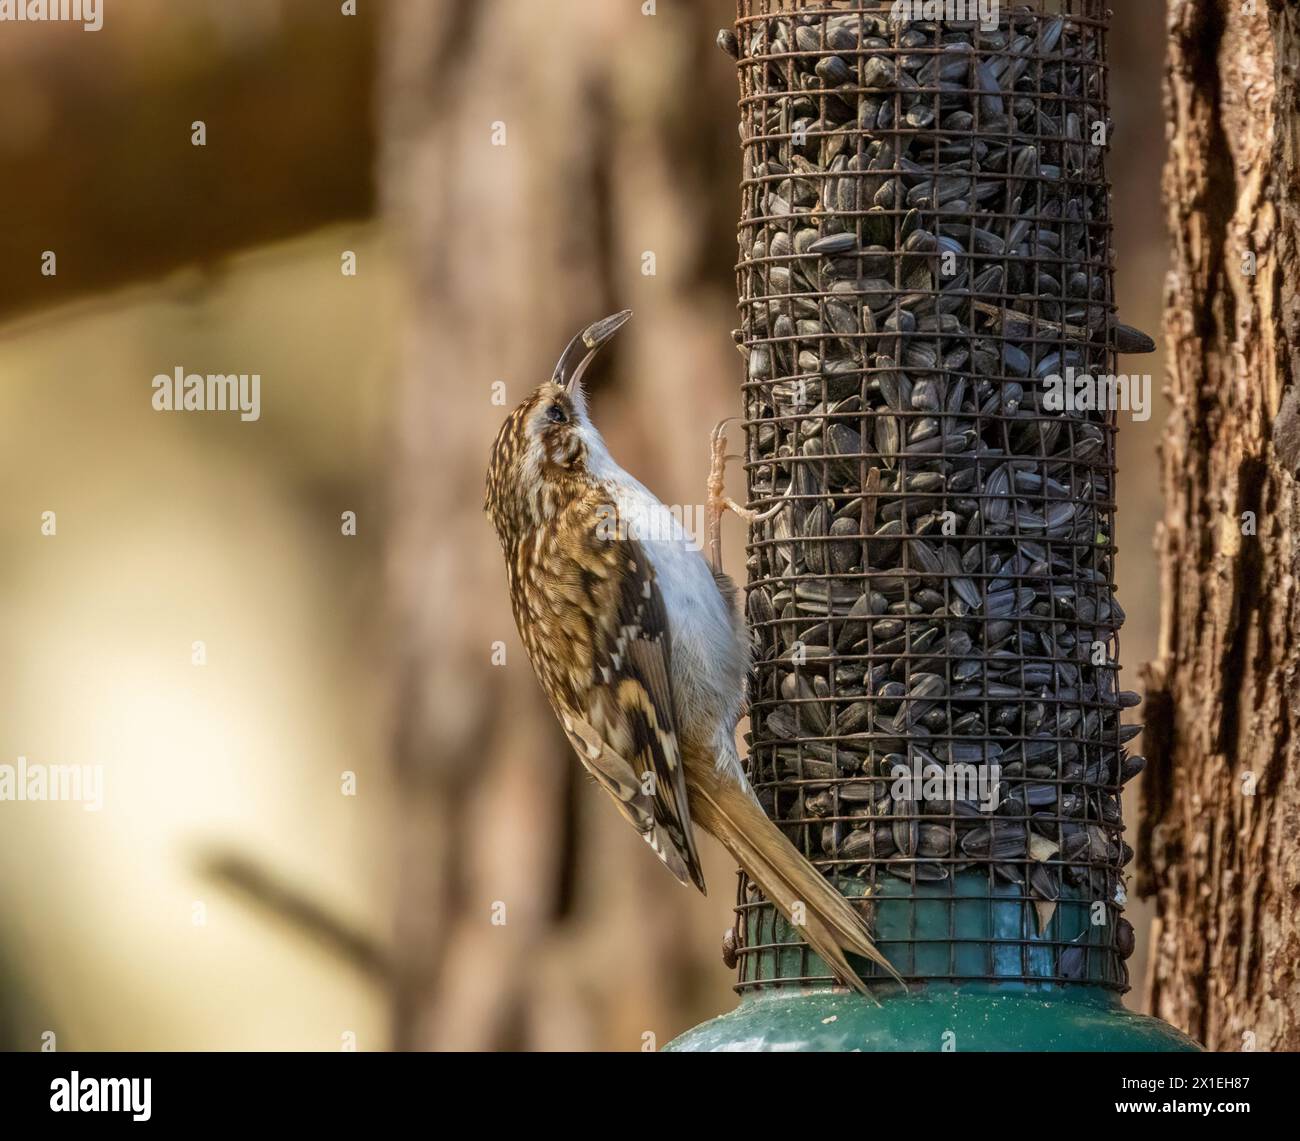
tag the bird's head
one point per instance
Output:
(543, 451)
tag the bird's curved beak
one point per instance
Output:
(583, 348)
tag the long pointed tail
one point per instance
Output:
(829, 923)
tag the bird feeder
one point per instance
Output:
(926, 311)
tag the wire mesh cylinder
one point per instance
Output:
(925, 265)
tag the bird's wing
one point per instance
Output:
(625, 734)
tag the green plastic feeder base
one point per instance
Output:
(979, 1016)
(966, 925)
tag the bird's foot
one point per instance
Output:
(718, 501)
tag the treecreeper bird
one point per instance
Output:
(639, 646)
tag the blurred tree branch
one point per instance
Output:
(95, 151)
(272, 894)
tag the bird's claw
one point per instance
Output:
(718, 500)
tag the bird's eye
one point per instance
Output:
(556, 415)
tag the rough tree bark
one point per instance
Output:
(508, 250)
(1220, 842)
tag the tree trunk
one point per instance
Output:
(530, 160)
(1220, 840)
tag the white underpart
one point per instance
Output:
(710, 650)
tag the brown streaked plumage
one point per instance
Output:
(640, 650)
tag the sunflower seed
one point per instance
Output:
(924, 242)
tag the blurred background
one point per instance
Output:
(347, 819)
